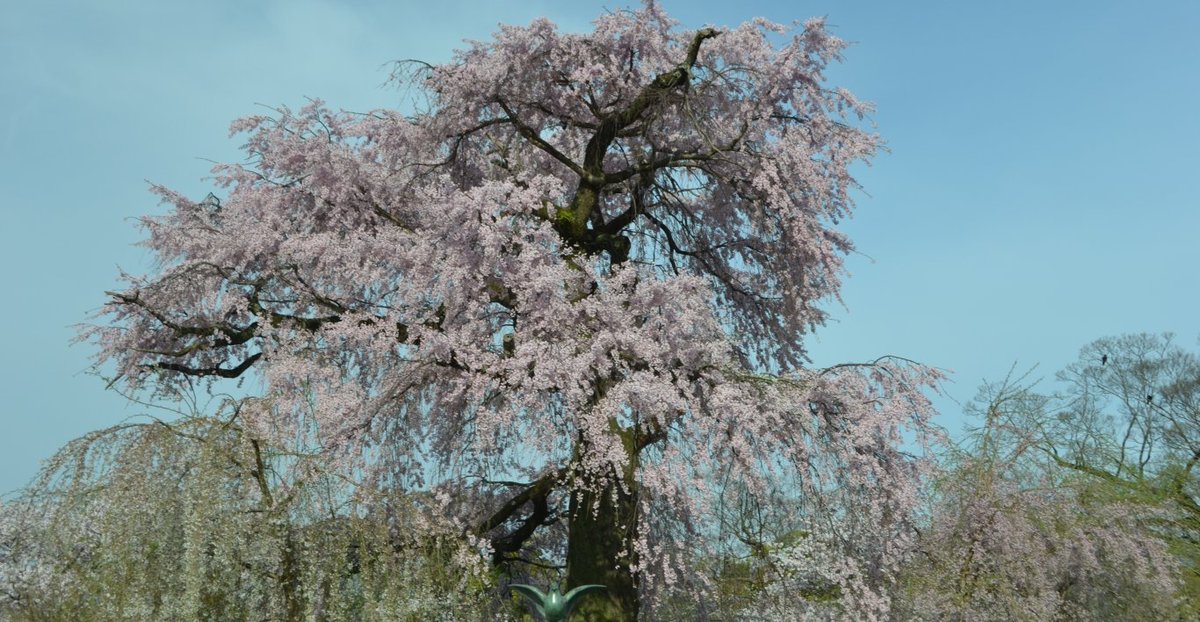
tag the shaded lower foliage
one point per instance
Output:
(195, 520)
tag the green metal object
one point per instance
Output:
(554, 607)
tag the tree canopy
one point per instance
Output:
(570, 290)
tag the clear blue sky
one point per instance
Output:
(1036, 195)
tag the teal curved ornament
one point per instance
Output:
(554, 607)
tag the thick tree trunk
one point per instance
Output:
(602, 528)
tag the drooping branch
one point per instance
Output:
(536, 494)
(218, 371)
(515, 539)
(235, 335)
(542, 486)
(218, 335)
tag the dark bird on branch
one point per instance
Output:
(1104, 360)
(1149, 398)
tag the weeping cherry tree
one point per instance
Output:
(567, 294)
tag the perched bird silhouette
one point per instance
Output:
(1104, 360)
(1149, 398)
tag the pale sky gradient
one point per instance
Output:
(1035, 196)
